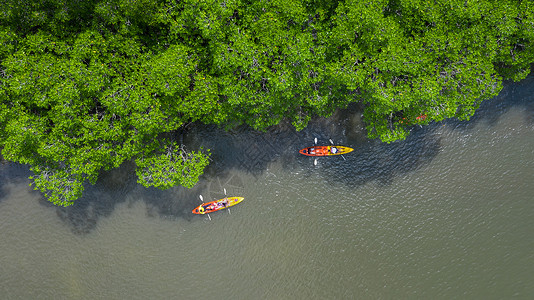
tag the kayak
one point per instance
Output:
(325, 150)
(206, 208)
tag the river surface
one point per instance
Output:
(446, 214)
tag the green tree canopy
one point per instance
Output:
(85, 86)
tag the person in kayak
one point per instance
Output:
(333, 150)
(224, 202)
(201, 209)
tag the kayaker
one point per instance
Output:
(333, 150)
(201, 209)
(224, 202)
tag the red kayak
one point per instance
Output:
(325, 150)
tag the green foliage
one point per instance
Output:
(438, 59)
(85, 86)
(174, 167)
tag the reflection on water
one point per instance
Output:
(448, 213)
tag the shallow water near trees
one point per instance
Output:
(448, 213)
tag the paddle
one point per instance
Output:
(202, 199)
(227, 203)
(331, 142)
(315, 160)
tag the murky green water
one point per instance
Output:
(449, 213)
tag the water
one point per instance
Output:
(449, 213)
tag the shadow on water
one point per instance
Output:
(99, 200)
(379, 162)
(11, 173)
(119, 186)
(178, 202)
(513, 95)
(251, 152)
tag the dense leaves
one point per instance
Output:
(85, 86)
